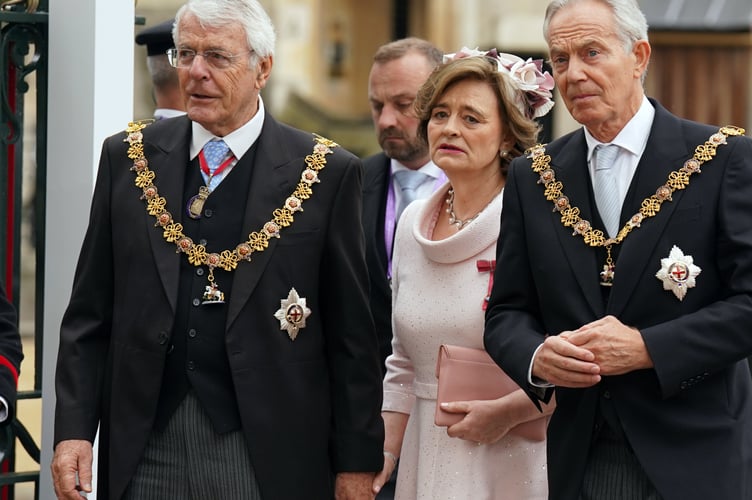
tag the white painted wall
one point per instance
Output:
(90, 97)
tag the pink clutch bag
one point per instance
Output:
(467, 374)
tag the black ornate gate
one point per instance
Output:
(23, 57)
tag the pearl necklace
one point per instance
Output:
(453, 220)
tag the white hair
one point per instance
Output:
(256, 23)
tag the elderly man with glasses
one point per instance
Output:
(218, 333)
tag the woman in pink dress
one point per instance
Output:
(477, 113)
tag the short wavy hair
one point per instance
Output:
(523, 130)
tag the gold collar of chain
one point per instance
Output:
(258, 241)
(650, 206)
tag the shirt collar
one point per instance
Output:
(162, 113)
(634, 136)
(239, 140)
(429, 168)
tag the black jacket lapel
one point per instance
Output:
(166, 147)
(571, 170)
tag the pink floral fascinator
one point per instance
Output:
(534, 98)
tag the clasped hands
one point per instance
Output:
(579, 358)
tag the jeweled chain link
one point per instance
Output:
(678, 179)
(258, 241)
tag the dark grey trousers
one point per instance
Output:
(613, 472)
(189, 460)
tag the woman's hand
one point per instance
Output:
(485, 422)
(390, 463)
(394, 430)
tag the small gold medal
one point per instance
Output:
(196, 203)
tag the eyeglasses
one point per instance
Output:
(217, 59)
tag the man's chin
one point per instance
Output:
(390, 151)
(585, 116)
(391, 142)
(199, 114)
(397, 149)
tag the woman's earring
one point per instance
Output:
(503, 153)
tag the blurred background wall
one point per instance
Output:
(324, 52)
(701, 65)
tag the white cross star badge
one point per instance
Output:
(678, 272)
(292, 313)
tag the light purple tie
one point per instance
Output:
(606, 191)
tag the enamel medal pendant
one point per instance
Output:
(607, 275)
(609, 269)
(213, 295)
(196, 203)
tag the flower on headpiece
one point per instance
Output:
(534, 85)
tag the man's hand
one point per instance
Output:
(565, 364)
(72, 460)
(618, 348)
(354, 486)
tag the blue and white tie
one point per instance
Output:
(606, 191)
(215, 152)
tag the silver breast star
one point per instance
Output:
(678, 272)
(292, 314)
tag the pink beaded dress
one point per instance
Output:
(438, 294)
